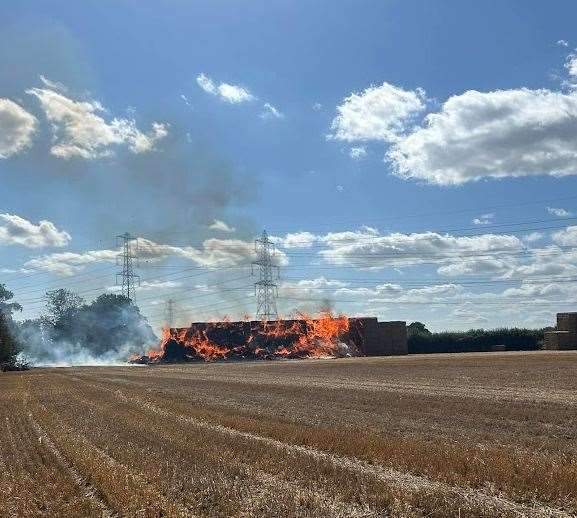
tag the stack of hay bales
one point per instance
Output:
(380, 338)
(394, 337)
(565, 336)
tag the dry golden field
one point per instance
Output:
(489, 434)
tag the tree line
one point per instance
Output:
(422, 341)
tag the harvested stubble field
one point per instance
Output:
(440, 435)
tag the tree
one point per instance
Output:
(8, 344)
(113, 321)
(5, 306)
(417, 328)
(110, 327)
(62, 305)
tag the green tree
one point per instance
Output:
(8, 343)
(417, 328)
(62, 305)
(110, 327)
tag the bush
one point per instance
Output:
(514, 339)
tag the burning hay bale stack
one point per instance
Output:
(324, 337)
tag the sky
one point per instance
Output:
(411, 160)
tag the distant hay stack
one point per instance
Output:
(564, 338)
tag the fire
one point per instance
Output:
(199, 344)
(303, 337)
(321, 336)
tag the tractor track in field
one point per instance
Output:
(489, 503)
(89, 490)
(84, 486)
(419, 388)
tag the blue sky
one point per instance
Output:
(413, 160)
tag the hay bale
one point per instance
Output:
(560, 341)
(567, 322)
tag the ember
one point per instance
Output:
(325, 336)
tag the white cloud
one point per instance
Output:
(317, 107)
(549, 261)
(560, 213)
(217, 224)
(484, 219)
(53, 85)
(233, 94)
(150, 286)
(368, 249)
(357, 153)
(496, 256)
(397, 294)
(566, 237)
(571, 65)
(296, 240)
(17, 127)
(377, 113)
(543, 262)
(340, 188)
(533, 236)
(15, 230)
(542, 291)
(186, 100)
(214, 253)
(504, 133)
(469, 315)
(310, 287)
(563, 43)
(478, 266)
(270, 112)
(69, 263)
(80, 130)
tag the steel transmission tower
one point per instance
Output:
(127, 258)
(170, 313)
(266, 289)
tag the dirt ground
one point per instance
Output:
(481, 434)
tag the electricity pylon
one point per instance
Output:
(266, 289)
(170, 313)
(126, 259)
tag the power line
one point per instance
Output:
(431, 303)
(207, 309)
(443, 213)
(228, 290)
(348, 283)
(401, 216)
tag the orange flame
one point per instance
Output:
(305, 337)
